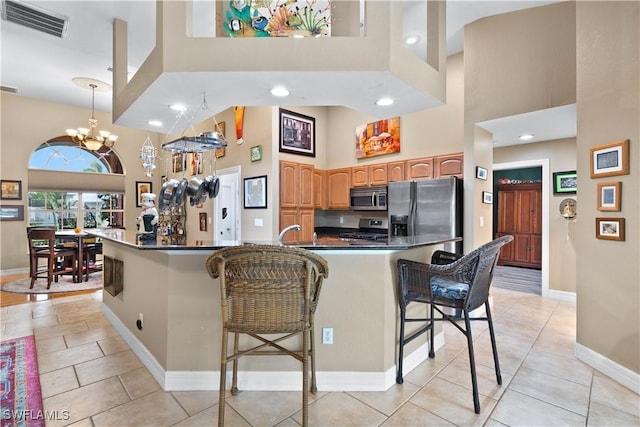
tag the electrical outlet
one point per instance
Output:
(327, 335)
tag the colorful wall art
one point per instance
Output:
(277, 18)
(378, 138)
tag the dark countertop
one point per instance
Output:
(131, 239)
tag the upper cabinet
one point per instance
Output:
(378, 174)
(449, 165)
(395, 171)
(319, 189)
(369, 175)
(421, 168)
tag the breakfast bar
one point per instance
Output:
(169, 313)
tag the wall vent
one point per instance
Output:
(34, 17)
(8, 89)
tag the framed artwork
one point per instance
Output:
(11, 190)
(610, 228)
(487, 197)
(610, 196)
(11, 212)
(196, 163)
(255, 192)
(203, 221)
(256, 153)
(565, 182)
(220, 152)
(178, 161)
(378, 138)
(142, 187)
(481, 173)
(610, 159)
(297, 133)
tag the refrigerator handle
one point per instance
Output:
(412, 208)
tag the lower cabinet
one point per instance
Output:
(303, 217)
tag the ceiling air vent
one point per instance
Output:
(34, 17)
(8, 89)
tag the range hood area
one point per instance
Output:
(345, 69)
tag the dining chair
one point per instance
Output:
(266, 291)
(42, 245)
(453, 285)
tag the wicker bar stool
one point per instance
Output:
(268, 290)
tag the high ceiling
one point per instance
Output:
(42, 66)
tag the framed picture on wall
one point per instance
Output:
(610, 159)
(481, 173)
(11, 190)
(142, 187)
(610, 228)
(255, 192)
(609, 196)
(487, 197)
(565, 182)
(297, 133)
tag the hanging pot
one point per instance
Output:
(180, 194)
(167, 192)
(214, 187)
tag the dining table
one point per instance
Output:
(77, 237)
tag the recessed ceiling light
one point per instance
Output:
(383, 102)
(156, 123)
(279, 91)
(526, 136)
(411, 40)
(178, 107)
(298, 36)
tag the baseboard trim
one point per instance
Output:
(263, 380)
(560, 295)
(14, 271)
(615, 371)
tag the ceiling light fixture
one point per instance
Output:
(91, 137)
(280, 91)
(178, 107)
(384, 102)
(156, 123)
(526, 136)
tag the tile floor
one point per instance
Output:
(88, 370)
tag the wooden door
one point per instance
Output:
(319, 189)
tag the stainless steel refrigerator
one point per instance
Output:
(432, 206)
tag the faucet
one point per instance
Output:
(286, 230)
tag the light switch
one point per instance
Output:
(481, 221)
(257, 222)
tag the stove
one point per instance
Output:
(368, 229)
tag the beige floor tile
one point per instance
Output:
(568, 368)
(517, 409)
(139, 382)
(387, 401)
(196, 401)
(86, 401)
(59, 381)
(606, 416)
(551, 342)
(49, 309)
(26, 327)
(52, 344)
(459, 372)
(411, 415)
(62, 358)
(82, 423)
(340, 409)
(609, 393)
(114, 344)
(452, 402)
(156, 409)
(108, 366)
(91, 335)
(54, 331)
(92, 317)
(424, 372)
(209, 418)
(553, 390)
(266, 408)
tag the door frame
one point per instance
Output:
(236, 171)
(544, 163)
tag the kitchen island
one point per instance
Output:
(168, 287)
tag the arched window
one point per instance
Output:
(59, 197)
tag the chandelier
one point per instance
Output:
(91, 137)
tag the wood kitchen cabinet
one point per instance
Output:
(319, 189)
(395, 171)
(520, 215)
(297, 199)
(338, 185)
(421, 168)
(369, 175)
(449, 165)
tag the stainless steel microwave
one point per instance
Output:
(368, 199)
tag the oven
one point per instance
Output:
(373, 229)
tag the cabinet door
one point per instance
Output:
(449, 165)
(305, 187)
(289, 216)
(506, 211)
(395, 171)
(506, 252)
(535, 257)
(419, 168)
(378, 174)
(318, 189)
(288, 184)
(307, 226)
(359, 176)
(338, 185)
(527, 216)
(521, 248)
